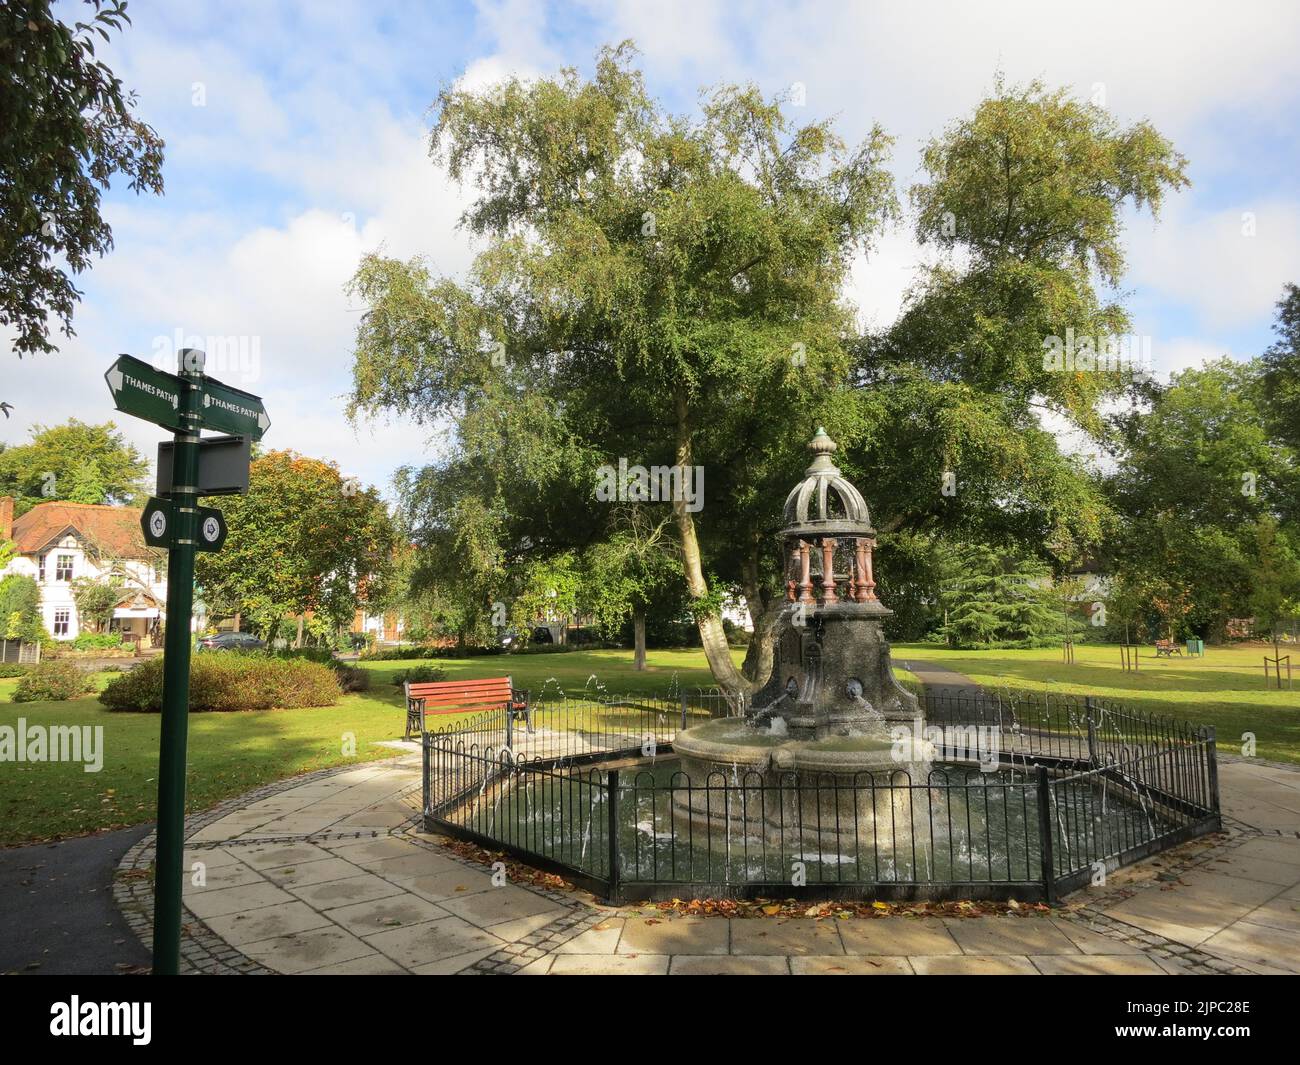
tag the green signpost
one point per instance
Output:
(187, 402)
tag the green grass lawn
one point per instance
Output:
(1225, 688)
(232, 752)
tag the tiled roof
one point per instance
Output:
(111, 532)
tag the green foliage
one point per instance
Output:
(96, 600)
(228, 680)
(1274, 578)
(53, 681)
(1199, 471)
(1037, 174)
(20, 609)
(69, 128)
(419, 675)
(302, 539)
(97, 641)
(1282, 368)
(75, 461)
(995, 599)
(1026, 199)
(8, 670)
(403, 654)
(350, 678)
(322, 655)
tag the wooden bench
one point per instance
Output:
(1167, 649)
(425, 698)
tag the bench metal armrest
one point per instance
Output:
(522, 695)
(414, 713)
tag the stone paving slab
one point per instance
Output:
(1009, 935)
(897, 936)
(834, 965)
(267, 922)
(432, 941)
(364, 887)
(681, 935)
(790, 937)
(610, 965)
(1096, 965)
(974, 965)
(307, 950)
(736, 965)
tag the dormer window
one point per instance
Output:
(63, 568)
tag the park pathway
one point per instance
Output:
(938, 680)
(331, 873)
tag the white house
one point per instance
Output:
(59, 542)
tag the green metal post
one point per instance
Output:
(176, 672)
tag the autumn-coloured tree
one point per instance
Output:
(304, 538)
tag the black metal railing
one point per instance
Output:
(1031, 797)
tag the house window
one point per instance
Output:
(62, 621)
(63, 568)
(40, 565)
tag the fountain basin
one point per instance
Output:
(742, 782)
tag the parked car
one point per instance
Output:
(231, 641)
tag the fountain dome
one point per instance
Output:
(824, 502)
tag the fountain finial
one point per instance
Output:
(821, 443)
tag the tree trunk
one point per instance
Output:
(712, 635)
(237, 620)
(763, 612)
(298, 641)
(638, 638)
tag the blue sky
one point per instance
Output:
(296, 143)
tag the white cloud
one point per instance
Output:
(1227, 266)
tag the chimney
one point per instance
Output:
(6, 518)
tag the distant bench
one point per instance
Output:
(1167, 649)
(425, 698)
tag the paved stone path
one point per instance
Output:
(329, 873)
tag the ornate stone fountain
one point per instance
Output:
(827, 723)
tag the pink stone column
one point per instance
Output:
(828, 572)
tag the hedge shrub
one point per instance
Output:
(97, 641)
(225, 680)
(351, 678)
(12, 669)
(54, 681)
(420, 675)
(402, 654)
